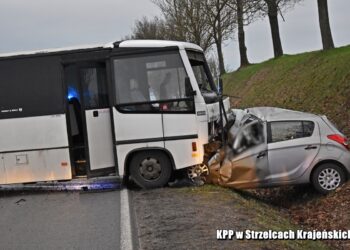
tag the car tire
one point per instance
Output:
(150, 169)
(328, 177)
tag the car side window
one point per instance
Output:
(308, 128)
(290, 130)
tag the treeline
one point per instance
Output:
(210, 23)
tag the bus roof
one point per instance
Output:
(56, 50)
(122, 44)
(158, 44)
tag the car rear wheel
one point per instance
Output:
(328, 177)
(150, 169)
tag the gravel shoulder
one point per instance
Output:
(187, 218)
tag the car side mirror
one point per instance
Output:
(188, 88)
(221, 87)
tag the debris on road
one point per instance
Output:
(20, 201)
(93, 184)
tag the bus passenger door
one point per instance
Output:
(90, 120)
(98, 117)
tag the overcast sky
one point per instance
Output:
(39, 24)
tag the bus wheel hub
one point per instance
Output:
(150, 169)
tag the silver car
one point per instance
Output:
(273, 147)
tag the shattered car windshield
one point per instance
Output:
(249, 136)
(201, 72)
(248, 119)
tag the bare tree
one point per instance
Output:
(214, 66)
(204, 22)
(150, 29)
(274, 8)
(186, 19)
(327, 39)
(241, 33)
(221, 20)
(173, 15)
(246, 12)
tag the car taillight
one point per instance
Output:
(340, 139)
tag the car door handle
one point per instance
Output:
(310, 147)
(261, 155)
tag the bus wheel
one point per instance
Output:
(150, 169)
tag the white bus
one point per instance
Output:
(132, 108)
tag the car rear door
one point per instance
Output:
(292, 147)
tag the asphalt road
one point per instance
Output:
(62, 221)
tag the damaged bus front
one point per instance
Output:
(180, 114)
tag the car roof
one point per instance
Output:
(121, 44)
(279, 114)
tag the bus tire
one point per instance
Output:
(150, 169)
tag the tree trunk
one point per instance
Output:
(275, 32)
(327, 39)
(218, 42)
(241, 34)
(220, 57)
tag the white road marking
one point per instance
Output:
(125, 222)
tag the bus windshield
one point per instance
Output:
(201, 71)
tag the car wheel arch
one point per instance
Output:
(329, 161)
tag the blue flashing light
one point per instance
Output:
(72, 93)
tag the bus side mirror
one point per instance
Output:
(189, 92)
(221, 86)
